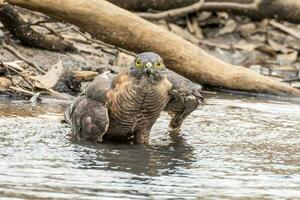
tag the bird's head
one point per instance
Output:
(148, 65)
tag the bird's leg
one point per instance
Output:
(141, 136)
(190, 104)
(176, 121)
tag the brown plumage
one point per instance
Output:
(124, 107)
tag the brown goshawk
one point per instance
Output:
(123, 107)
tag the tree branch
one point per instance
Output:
(178, 12)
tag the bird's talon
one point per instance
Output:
(175, 130)
(191, 98)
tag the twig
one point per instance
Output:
(20, 74)
(178, 12)
(79, 40)
(20, 56)
(223, 6)
(49, 29)
(291, 79)
(21, 90)
(212, 44)
(80, 49)
(201, 6)
(42, 22)
(64, 29)
(285, 29)
(207, 92)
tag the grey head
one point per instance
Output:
(148, 65)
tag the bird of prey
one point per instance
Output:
(123, 107)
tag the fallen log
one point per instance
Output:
(117, 26)
(144, 5)
(288, 10)
(258, 9)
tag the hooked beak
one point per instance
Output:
(149, 69)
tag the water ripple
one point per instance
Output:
(231, 148)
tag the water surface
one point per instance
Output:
(234, 147)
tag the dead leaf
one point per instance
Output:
(247, 29)
(284, 71)
(50, 78)
(259, 38)
(223, 15)
(285, 29)
(5, 83)
(288, 58)
(124, 59)
(184, 33)
(35, 97)
(296, 84)
(198, 32)
(229, 27)
(266, 49)
(15, 65)
(278, 47)
(244, 45)
(204, 15)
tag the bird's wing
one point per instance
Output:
(88, 118)
(183, 85)
(88, 114)
(184, 98)
(100, 86)
(104, 83)
(119, 80)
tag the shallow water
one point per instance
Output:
(234, 147)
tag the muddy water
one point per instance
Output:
(235, 147)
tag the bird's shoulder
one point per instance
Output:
(183, 86)
(120, 80)
(99, 87)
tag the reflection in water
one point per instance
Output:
(234, 147)
(137, 159)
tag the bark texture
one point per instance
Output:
(279, 9)
(144, 5)
(117, 26)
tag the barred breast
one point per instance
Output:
(136, 106)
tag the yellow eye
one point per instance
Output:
(138, 63)
(159, 64)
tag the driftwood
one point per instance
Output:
(117, 26)
(27, 35)
(144, 5)
(279, 9)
